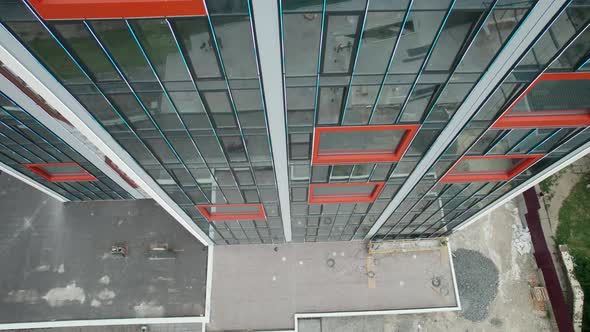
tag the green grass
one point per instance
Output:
(547, 184)
(574, 230)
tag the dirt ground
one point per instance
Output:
(500, 237)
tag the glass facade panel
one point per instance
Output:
(183, 95)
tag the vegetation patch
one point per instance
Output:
(574, 230)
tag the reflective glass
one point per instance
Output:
(341, 39)
(359, 142)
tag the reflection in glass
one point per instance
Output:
(341, 39)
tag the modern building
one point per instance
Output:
(267, 122)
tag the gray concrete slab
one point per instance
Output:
(261, 287)
(56, 261)
(128, 328)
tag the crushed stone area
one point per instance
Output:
(477, 280)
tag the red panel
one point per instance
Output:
(23, 87)
(453, 176)
(120, 172)
(546, 119)
(394, 155)
(220, 216)
(345, 198)
(116, 9)
(83, 175)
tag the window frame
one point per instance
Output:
(123, 9)
(346, 199)
(545, 119)
(83, 176)
(410, 132)
(464, 177)
(260, 215)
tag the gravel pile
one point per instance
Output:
(477, 280)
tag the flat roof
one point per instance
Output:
(263, 287)
(57, 264)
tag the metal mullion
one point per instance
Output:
(101, 191)
(317, 90)
(16, 153)
(495, 143)
(317, 85)
(568, 136)
(152, 120)
(584, 61)
(419, 200)
(229, 91)
(392, 169)
(442, 217)
(506, 182)
(439, 219)
(114, 192)
(216, 230)
(522, 140)
(543, 141)
(339, 205)
(370, 204)
(243, 231)
(391, 56)
(27, 139)
(174, 108)
(408, 212)
(23, 135)
(89, 192)
(470, 39)
(65, 186)
(207, 111)
(21, 146)
(334, 221)
(425, 61)
(33, 143)
(433, 202)
(58, 184)
(489, 96)
(227, 228)
(42, 138)
(100, 91)
(499, 187)
(356, 54)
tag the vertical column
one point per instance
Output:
(268, 43)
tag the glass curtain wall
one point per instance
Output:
(182, 96)
(435, 206)
(377, 63)
(26, 141)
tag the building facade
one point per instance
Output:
(257, 121)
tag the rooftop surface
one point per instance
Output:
(57, 264)
(262, 287)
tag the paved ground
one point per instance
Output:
(56, 261)
(261, 287)
(498, 236)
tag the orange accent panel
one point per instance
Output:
(530, 159)
(345, 198)
(113, 9)
(358, 158)
(83, 175)
(548, 118)
(204, 209)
